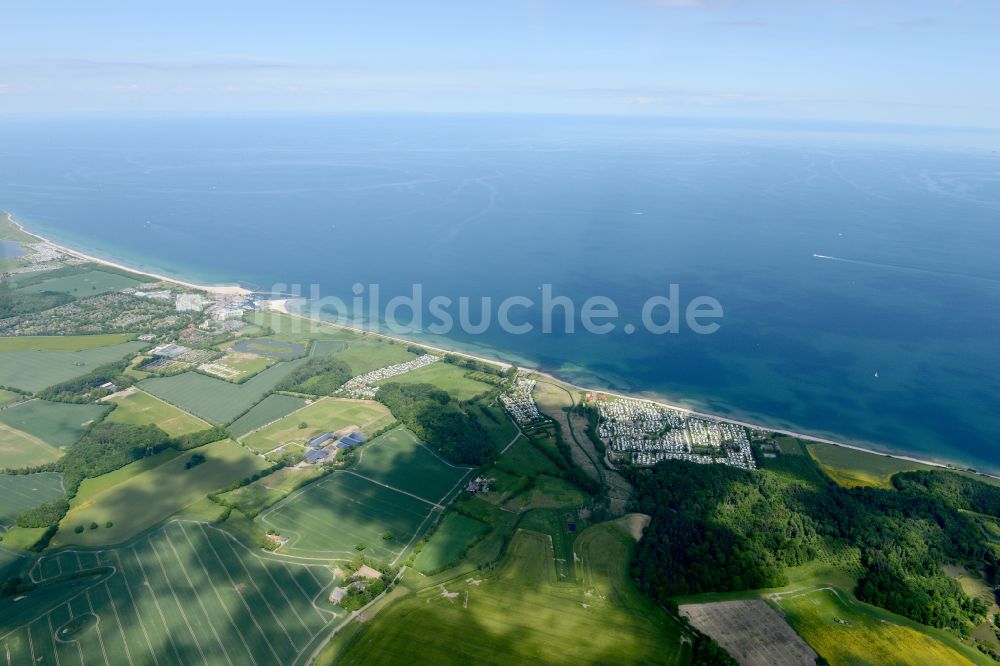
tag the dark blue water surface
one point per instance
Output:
(620, 208)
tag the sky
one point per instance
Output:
(909, 62)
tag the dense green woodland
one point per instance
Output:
(321, 375)
(716, 528)
(437, 419)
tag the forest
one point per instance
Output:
(716, 528)
(438, 420)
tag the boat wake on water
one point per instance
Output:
(915, 269)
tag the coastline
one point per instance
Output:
(226, 290)
(280, 306)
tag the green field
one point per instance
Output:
(449, 543)
(63, 343)
(446, 377)
(140, 408)
(523, 459)
(329, 517)
(216, 400)
(367, 353)
(399, 460)
(328, 414)
(187, 593)
(266, 491)
(851, 468)
(35, 431)
(518, 614)
(84, 284)
(271, 408)
(145, 498)
(500, 430)
(32, 370)
(870, 635)
(7, 397)
(25, 491)
(237, 366)
(547, 493)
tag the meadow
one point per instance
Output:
(237, 366)
(328, 414)
(519, 614)
(251, 499)
(32, 370)
(34, 431)
(449, 543)
(851, 468)
(446, 377)
(331, 517)
(138, 408)
(271, 408)
(84, 284)
(845, 631)
(367, 353)
(400, 460)
(63, 343)
(216, 400)
(25, 491)
(547, 492)
(186, 593)
(7, 397)
(145, 498)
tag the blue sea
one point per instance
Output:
(836, 252)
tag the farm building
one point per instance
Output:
(313, 457)
(356, 437)
(318, 440)
(169, 351)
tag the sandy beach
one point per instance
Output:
(228, 290)
(281, 306)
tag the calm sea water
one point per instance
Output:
(497, 207)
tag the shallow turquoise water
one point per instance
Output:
(497, 207)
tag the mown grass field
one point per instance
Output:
(449, 543)
(330, 517)
(518, 614)
(32, 370)
(271, 408)
(143, 499)
(63, 343)
(871, 635)
(446, 377)
(84, 284)
(139, 407)
(25, 491)
(326, 415)
(216, 400)
(187, 593)
(398, 459)
(35, 431)
(851, 468)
